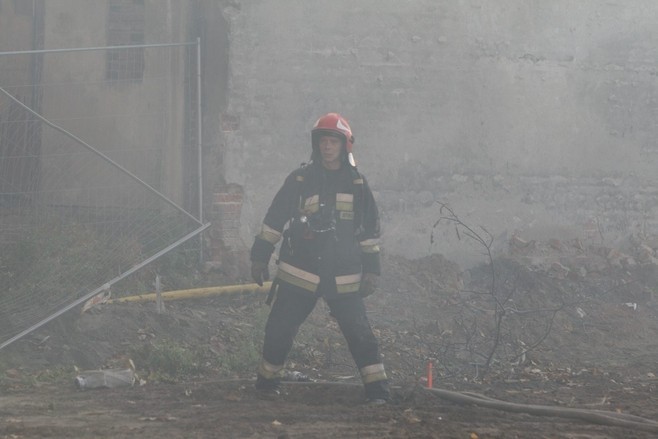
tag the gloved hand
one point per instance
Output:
(369, 283)
(259, 272)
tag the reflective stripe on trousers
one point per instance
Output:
(372, 373)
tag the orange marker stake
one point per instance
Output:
(429, 374)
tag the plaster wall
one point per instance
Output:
(15, 27)
(524, 116)
(16, 34)
(139, 124)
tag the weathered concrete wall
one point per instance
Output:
(522, 115)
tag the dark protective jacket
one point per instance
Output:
(328, 225)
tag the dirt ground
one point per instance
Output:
(556, 340)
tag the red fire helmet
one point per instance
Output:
(333, 124)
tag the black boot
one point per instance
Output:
(268, 388)
(377, 393)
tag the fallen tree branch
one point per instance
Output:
(593, 416)
(600, 417)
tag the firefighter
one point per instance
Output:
(327, 223)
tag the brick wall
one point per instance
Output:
(227, 251)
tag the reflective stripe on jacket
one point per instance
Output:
(328, 226)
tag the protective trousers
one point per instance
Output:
(290, 309)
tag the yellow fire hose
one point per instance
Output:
(196, 293)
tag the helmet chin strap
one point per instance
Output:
(351, 160)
